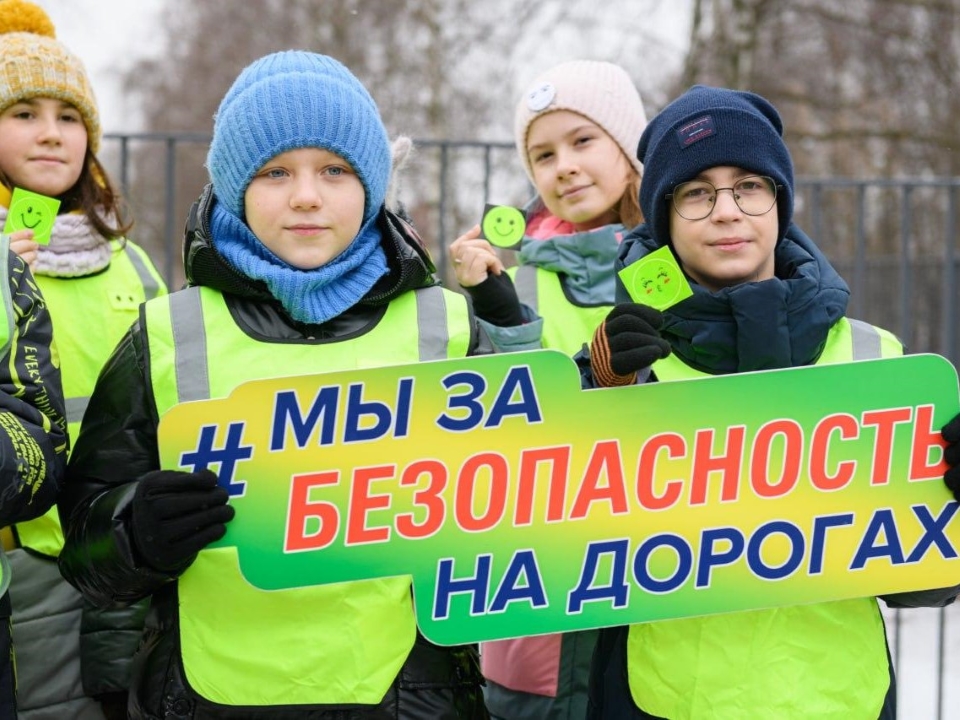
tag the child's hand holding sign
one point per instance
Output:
(629, 340)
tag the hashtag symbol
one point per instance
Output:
(226, 457)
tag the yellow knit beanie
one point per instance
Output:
(34, 64)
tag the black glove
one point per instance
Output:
(495, 300)
(113, 705)
(951, 433)
(175, 515)
(626, 341)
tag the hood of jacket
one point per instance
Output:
(776, 323)
(409, 263)
(584, 260)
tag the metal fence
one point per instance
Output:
(894, 241)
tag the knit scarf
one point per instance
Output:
(310, 296)
(75, 248)
(778, 323)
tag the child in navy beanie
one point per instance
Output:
(718, 191)
(295, 266)
(706, 127)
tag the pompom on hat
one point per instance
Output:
(33, 64)
(295, 99)
(600, 91)
(709, 127)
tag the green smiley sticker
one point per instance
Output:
(502, 225)
(656, 280)
(31, 211)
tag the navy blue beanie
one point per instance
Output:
(704, 128)
(295, 99)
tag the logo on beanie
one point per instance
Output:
(541, 96)
(696, 130)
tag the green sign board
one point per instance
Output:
(520, 504)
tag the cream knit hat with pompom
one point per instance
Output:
(34, 64)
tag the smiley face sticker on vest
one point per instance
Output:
(502, 225)
(32, 211)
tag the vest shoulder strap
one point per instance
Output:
(7, 322)
(149, 279)
(848, 340)
(526, 284)
(869, 341)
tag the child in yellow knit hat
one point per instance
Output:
(93, 280)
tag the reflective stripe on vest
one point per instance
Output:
(341, 643)
(8, 322)
(779, 663)
(847, 340)
(439, 336)
(566, 327)
(111, 299)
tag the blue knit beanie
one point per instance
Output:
(707, 127)
(295, 99)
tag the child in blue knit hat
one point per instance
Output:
(294, 266)
(718, 189)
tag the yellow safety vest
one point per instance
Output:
(90, 315)
(330, 644)
(566, 326)
(777, 663)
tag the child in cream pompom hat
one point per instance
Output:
(33, 63)
(92, 278)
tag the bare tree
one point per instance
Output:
(441, 71)
(867, 89)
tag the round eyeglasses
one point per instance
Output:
(695, 200)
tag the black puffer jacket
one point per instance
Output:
(33, 422)
(118, 444)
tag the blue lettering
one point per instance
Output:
(934, 532)
(476, 586)
(819, 540)
(517, 382)
(468, 401)
(285, 407)
(226, 457)
(755, 557)
(357, 409)
(684, 563)
(401, 426)
(881, 524)
(617, 588)
(521, 582)
(710, 558)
